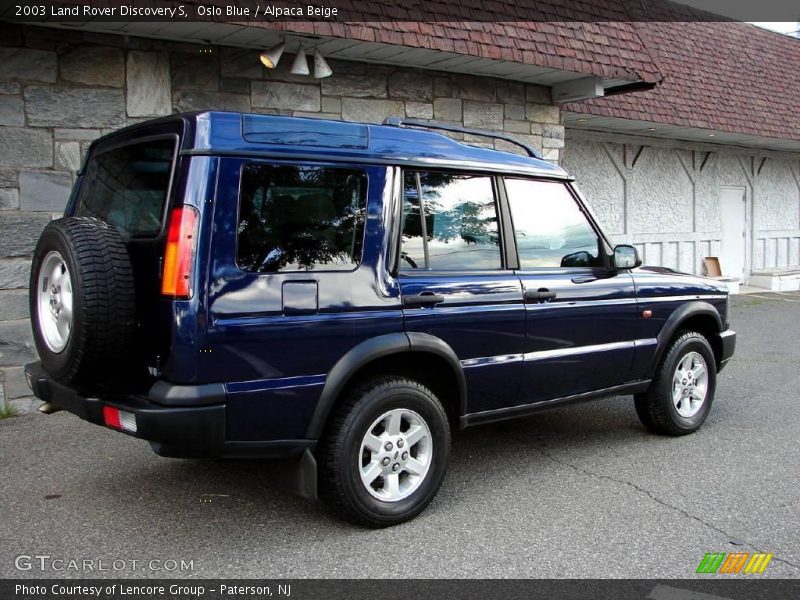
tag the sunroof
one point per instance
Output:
(266, 129)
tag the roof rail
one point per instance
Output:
(401, 122)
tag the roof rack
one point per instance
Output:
(401, 122)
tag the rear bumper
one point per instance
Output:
(727, 341)
(179, 421)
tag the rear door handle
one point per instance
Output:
(540, 295)
(423, 299)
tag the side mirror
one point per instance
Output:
(577, 259)
(626, 257)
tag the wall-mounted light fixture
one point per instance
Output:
(269, 58)
(321, 67)
(300, 65)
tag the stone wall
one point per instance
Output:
(60, 89)
(664, 197)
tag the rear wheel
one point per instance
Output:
(82, 300)
(682, 392)
(384, 455)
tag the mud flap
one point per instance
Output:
(305, 476)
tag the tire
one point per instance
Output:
(82, 300)
(417, 463)
(681, 394)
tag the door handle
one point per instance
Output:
(423, 299)
(584, 279)
(540, 295)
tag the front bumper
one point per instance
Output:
(178, 421)
(727, 345)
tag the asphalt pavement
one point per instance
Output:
(582, 491)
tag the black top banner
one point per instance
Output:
(260, 11)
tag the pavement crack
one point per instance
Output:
(641, 490)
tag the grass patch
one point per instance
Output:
(753, 302)
(7, 411)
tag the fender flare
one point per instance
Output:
(370, 350)
(424, 342)
(673, 323)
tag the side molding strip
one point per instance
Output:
(592, 349)
(557, 353)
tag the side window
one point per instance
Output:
(449, 222)
(550, 228)
(300, 218)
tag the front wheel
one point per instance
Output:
(384, 455)
(681, 394)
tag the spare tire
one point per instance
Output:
(82, 300)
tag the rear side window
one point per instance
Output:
(300, 218)
(128, 185)
(449, 222)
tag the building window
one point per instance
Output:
(449, 222)
(300, 218)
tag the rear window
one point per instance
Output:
(127, 186)
(300, 218)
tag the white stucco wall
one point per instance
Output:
(661, 192)
(601, 179)
(664, 197)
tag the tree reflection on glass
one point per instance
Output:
(300, 218)
(461, 229)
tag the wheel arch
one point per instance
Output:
(698, 316)
(400, 353)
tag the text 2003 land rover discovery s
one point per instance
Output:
(246, 285)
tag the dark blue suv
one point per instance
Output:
(229, 285)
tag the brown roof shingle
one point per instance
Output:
(611, 50)
(723, 76)
(597, 40)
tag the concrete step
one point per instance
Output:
(777, 280)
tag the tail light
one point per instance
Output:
(179, 254)
(119, 419)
